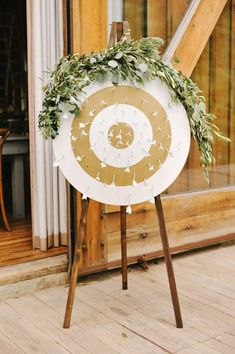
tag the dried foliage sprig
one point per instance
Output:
(135, 61)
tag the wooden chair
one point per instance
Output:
(3, 136)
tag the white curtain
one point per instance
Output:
(48, 186)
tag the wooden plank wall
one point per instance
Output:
(195, 217)
(214, 74)
(193, 220)
(162, 19)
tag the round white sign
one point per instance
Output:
(127, 145)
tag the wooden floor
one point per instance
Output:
(140, 320)
(16, 246)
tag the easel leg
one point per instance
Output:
(169, 266)
(123, 246)
(75, 267)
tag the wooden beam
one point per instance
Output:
(189, 42)
(187, 247)
(173, 38)
(89, 33)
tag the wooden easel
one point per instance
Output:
(117, 30)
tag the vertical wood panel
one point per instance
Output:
(232, 93)
(65, 27)
(219, 94)
(201, 77)
(89, 25)
(156, 19)
(175, 13)
(134, 13)
(89, 33)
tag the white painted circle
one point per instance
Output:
(147, 188)
(110, 116)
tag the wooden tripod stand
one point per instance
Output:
(118, 28)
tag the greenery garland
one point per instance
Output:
(135, 61)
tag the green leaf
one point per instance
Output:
(196, 116)
(112, 63)
(118, 55)
(92, 60)
(140, 62)
(143, 67)
(202, 106)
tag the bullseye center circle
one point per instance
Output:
(120, 135)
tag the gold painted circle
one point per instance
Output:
(154, 158)
(120, 135)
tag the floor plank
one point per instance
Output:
(49, 322)
(199, 348)
(227, 338)
(219, 346)
(141, 295)
(99, 325)
(7, 346)
(140, 320)
(24, 335)
(201, 291)
(17, 246)
(168, 337)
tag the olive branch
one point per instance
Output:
(136, 61)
